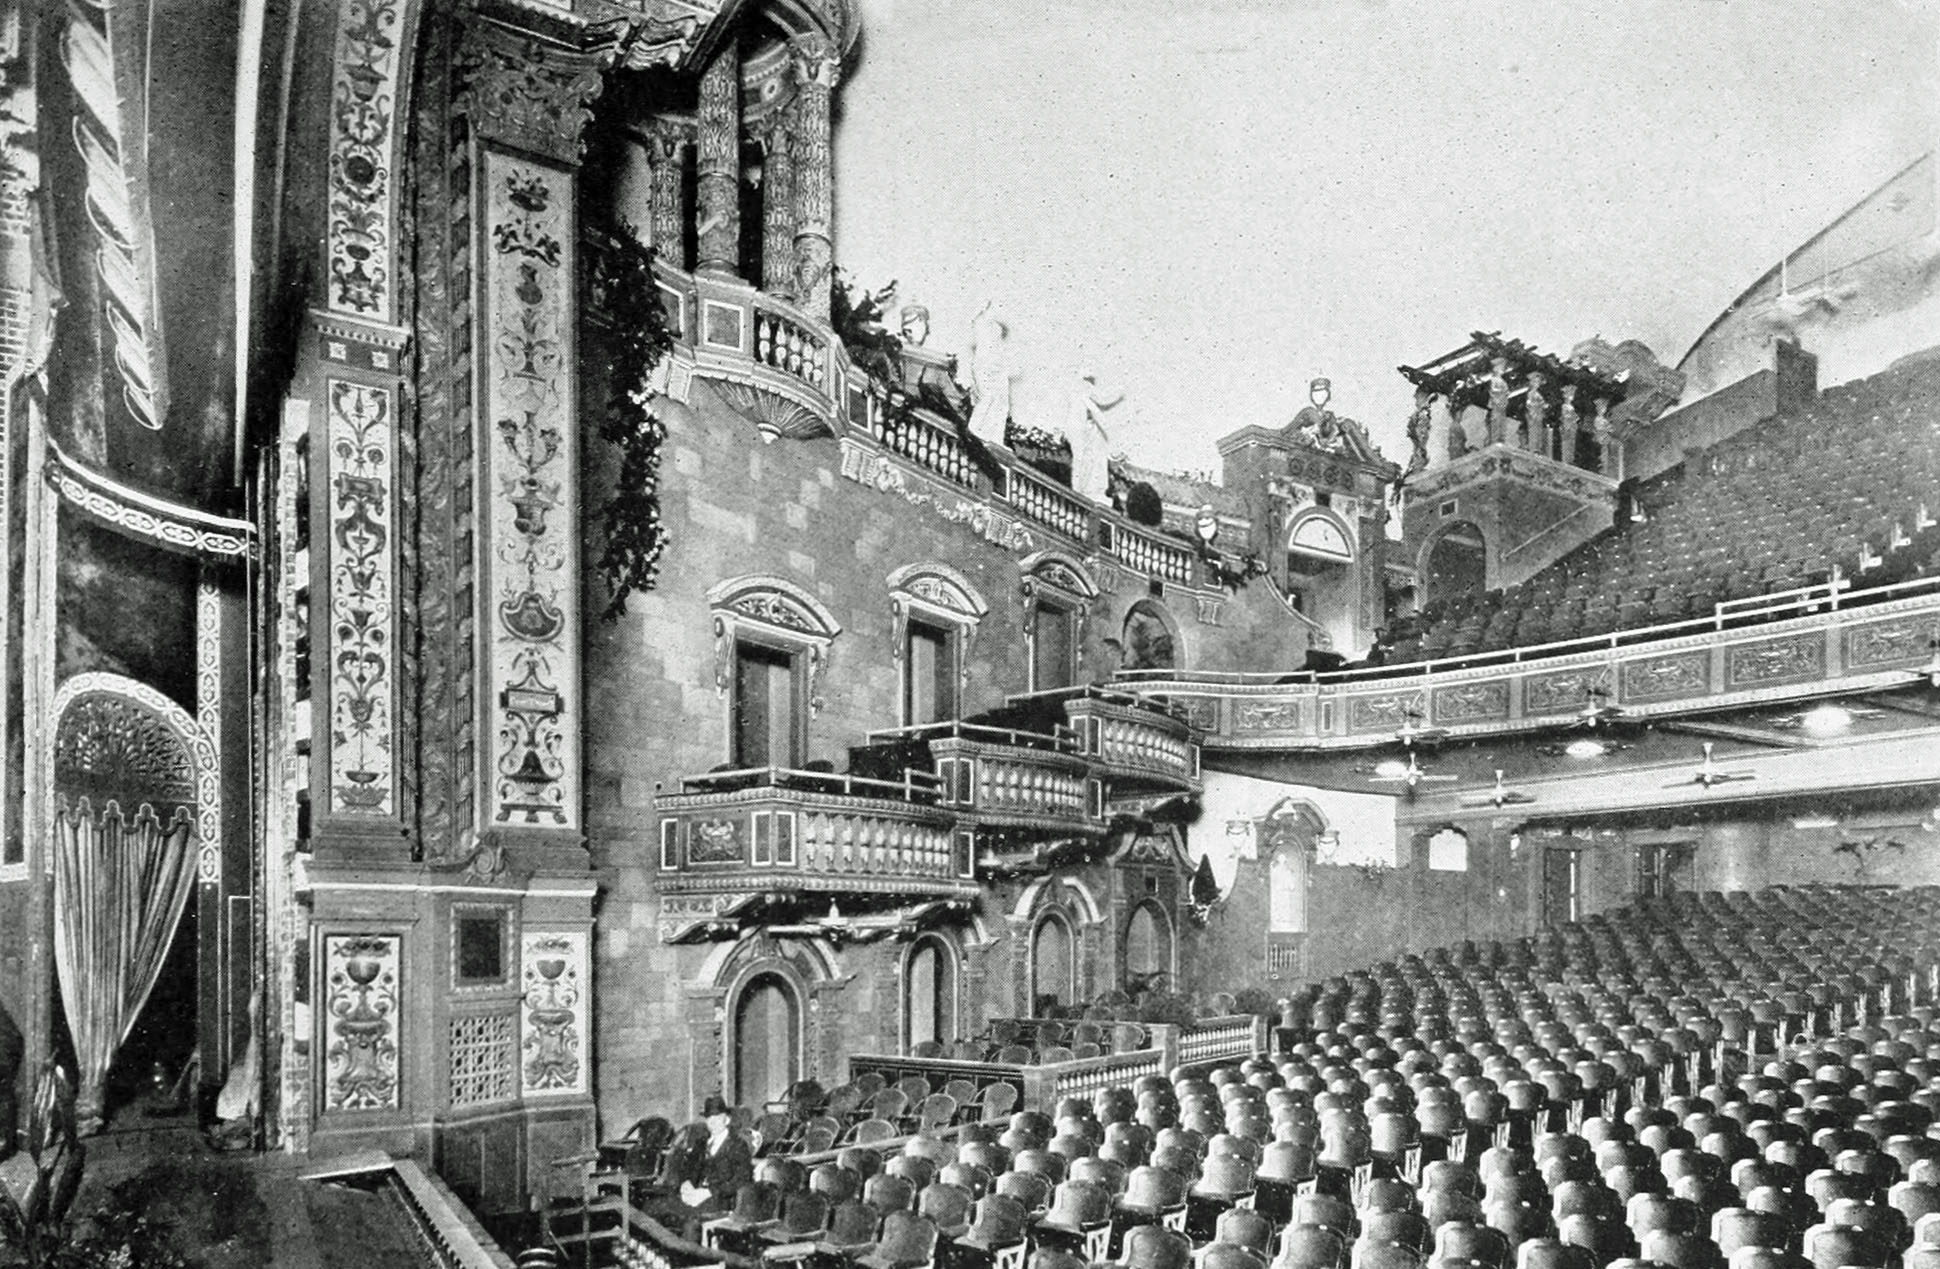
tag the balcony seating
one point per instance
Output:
(1847, 484)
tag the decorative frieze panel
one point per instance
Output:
(529, 557)
(361, 1034)
(1382, 713)
(1565, 692)
(1888, 644)
(1472, 702)
(552, 1013)
(208, 716)
(360, 493)
(1667, 678)
(373, 39)
(1269, 715)
(882, 473)
(1790, 660)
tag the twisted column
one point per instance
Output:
(817, 63)
(667, 152)
(718, 153)
(778, 212)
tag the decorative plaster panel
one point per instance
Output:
(1887, 644)
(1667, 678)
(1471, 702)
(529, 555)
(552, 1013)
(1789, 660)
(361, 1041)
(361, 447)
(364, 99)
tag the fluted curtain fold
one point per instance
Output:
(120, 885)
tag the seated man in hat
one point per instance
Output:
(707, 1165)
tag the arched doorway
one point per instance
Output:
(929, 992)
(1147, 952)
(1054, 963)
(1455, 563)
(767, 1039)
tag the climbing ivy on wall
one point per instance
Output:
(632, 533)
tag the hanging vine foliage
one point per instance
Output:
(633, 535)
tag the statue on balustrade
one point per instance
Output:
(1606, 459)
(1007, 390)
(990, 375)
(1419, 425)
(1569, 427)
(1457, 425)
(915, 325)
(1316, 425)
(1498, 400)
(1539, 433)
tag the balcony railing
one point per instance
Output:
(997, 776)
(1134, 742)
(1150, 554)
(1048, 504)
(772, 829)
(929, 446)
(1812, 641)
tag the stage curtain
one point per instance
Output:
(120, 886)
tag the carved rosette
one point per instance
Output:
(552, 1013)
(361, 1030)
(361, 453)
(718, 163)
(530, 481)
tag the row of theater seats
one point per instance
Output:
(1848, 484)
(1418, 1134)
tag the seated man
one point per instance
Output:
(708, 1164)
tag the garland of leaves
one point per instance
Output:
(634, 537)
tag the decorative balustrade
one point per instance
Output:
(1232, 1038)
(1049, 505)
(999, 784)
(924, 443)
(790, 344)
(749, 340)
(773, 829)
(1150, 554)
(1135, 742)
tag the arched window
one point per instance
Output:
(936, 613)
(1319, 556)
(1057, 599)
(1054, 962)
(771, 645)
(929, 991)
(1455, 563)
(1148, 944)
(767, 1040)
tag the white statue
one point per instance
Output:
(1090, 442)
(990, 375)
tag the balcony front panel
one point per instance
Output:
(770, 837)
(1139, 748)
(1018, 788)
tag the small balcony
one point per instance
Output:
(772, 831)
(1027, 782)
(1138, 745)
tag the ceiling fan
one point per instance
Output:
(1412, 732)
(1709, 773)
(1501, 795)
(1413, 775)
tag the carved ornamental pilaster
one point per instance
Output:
(718, 164)
(818, 64)
(526, 93)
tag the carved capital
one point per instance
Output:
(818, 64)
(529, 93)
